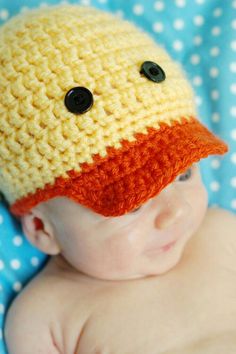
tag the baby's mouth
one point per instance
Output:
(158, 249)
(162, 249)
(168, 246)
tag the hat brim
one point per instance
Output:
(129, 176)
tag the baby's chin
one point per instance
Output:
(156, 268)
(164, 262)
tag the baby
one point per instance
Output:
(99, 155)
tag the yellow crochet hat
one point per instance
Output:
(91, 108)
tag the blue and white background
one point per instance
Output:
(201, 35)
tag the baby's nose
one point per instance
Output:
(172, 208)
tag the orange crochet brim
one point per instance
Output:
(129, 176)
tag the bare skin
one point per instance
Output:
(190, 308)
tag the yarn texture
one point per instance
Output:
(138, 136)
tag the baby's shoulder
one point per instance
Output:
(219, 216)
(44, 306)
(32, 300)
(216, 239)
(30, 314)
(220, 224)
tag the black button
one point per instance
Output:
(152, 71)
(79, 100)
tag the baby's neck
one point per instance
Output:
(58, 265)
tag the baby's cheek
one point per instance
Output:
(199, 206)
(121, 252)
(202, 200)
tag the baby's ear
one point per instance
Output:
(39, 232)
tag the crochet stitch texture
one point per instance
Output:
(138, 135)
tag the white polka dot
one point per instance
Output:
(159, 5)
(233, 204)
(232, 66)
(198, 100)
(234, 4)
(178, 24)
(215, 117)
(233, 24)
(197, 40)
(195, 59)
(24, 9)
(4, 14)
(158, 27)
(35, 261)
(216, 31)
(197, 81)
(215, 94)
(85, 2)
(214, 72)
(138, 9)
(217, 12)
(178, 45)
(214, 186)
(15, 264)
(233, 111)
(119, 14)
(2, 308)
(43, 5)
(2, 265)
(233, 134)
(215, 163)
(17, 240)
(233, 88)
(1, 219)
(198, 20)
(214, 51)
(180, 3)
(233, 182)
(233, 45)
(233, 158)
(17, 286)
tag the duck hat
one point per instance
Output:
(93, 109)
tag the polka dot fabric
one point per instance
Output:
(201, 35)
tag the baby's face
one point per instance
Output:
(133, 245)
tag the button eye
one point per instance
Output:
(78, 100)
(153, 71)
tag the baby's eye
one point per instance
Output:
(133, 211)
(184, 176)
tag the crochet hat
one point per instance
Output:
(91, 108)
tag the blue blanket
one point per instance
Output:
(200, 34)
